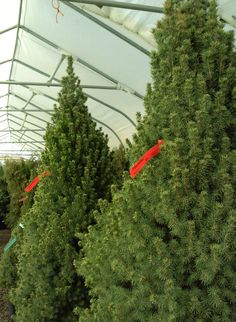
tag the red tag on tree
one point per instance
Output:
(36, 181)
(32, 184)
(137, 167)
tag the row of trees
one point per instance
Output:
(14, 176)
(161, 247)
(39, 270)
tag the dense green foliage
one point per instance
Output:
(4, 197)
(79, 160)
(120, 163)
(18, 174)
(164, 249)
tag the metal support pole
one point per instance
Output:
(107, 27)
(13, 109)
(103, 103)
(3, 136)
(4, 95)
(5, 61)
(111, 107)
(122, 5)
(5, 120)
(25, 121)
(25, 100)
(12, 121)
(22, 142)
(28, 137)
(17, 151)
(14, 53)
(87, 65)
(107, 126)
(27, 130)
(29, 100)
(48, 84)
(8, 29)
(56, 69)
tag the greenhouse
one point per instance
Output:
(117, 160)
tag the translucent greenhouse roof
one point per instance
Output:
(110, 45)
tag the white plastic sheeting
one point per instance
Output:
(117, 62)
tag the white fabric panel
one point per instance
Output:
(109, 117)
(77, 35)
(20, 90)
(7, 44)
(139, 22)
(90, 42)
(37, 120)
(16, 102)
(23, 121)
(86, 75)
(10, 146)
(5, 71)
(36, 53)
(125, 102)
(44, 102)
(8, 14)
(227, 10)
(3, 89)
(3, 100)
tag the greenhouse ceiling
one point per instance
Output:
(110, 42)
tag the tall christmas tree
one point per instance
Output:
(79, 161)
(164, 249)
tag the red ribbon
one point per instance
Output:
(32, 184)
(137, 167)
(36, 181)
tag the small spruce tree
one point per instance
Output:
(164, 249)
(78, 158)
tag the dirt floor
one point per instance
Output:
(4, 306)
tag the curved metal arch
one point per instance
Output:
(14, 53)
(107, 126)
(122, 5)
(111, 107)
(95, 99)
(107, 27)
(88, 95)
(50, 111)
(30, 103)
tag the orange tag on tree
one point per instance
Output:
(36, 181)
(137, 167)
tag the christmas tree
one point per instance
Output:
(79, 163)
(17, 174)
(164, 249)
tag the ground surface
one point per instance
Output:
(4, 308)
